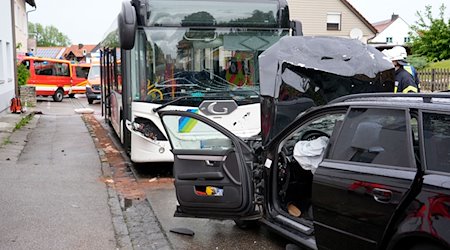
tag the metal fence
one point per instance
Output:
(434, 79)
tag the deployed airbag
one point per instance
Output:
(310, 153)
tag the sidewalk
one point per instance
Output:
(53, 195)
(8, 122)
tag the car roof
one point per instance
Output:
(439, 101)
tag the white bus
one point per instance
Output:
(192, 55)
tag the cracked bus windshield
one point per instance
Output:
(218, 63)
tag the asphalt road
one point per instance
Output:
(209, 234)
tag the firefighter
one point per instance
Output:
(405, 82)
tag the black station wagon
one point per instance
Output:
(329, 170)
(382, 180)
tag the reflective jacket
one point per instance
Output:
(404, 82)
(411, 70)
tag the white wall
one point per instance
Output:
(7, 78)
(313, 15)
(21, 22)
(398, 30)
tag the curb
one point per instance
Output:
(123, 240)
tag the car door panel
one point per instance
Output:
(345, 207)
(211, 170)
(358, 188)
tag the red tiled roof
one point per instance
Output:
(77, 51)
(382, 25)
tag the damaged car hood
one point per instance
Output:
(297, 73)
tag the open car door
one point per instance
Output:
(212, 168)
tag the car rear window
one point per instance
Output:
(376, 136)
(436, 129)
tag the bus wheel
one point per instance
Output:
(58, 96)
(71, 95)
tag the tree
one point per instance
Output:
(432, 36)
(48, 36)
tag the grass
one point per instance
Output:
(445, 64)
(24, 121)
(6, 141)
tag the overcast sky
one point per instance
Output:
(85, 21)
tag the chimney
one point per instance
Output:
(80, 45)
(394, 17)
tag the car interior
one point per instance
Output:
(299, 154)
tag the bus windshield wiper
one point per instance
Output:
(172, 102)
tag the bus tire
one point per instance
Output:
(58, 96)
(71, 95)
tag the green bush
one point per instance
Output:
(22, 74)
(419, 62)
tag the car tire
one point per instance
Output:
(426, 246)
(90, 101)
(58, 96)
(245, 224)
(71, 95)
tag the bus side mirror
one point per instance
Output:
(127, 26)
(296, 27)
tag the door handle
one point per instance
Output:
(209, 163)
(382, 195)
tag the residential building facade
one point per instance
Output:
(331, 18)
(7, 77)
(392, 32)
(79, 52)
(21, 24)
(13, 42)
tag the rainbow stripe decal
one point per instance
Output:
(186, 124)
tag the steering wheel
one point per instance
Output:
(282, 167)
(313, 134)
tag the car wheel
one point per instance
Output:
(245, 224)
(71, 95)
(90, 101)
(426, 246)
(58, 96)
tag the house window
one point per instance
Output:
(9, 62)
(388, 39)
(407, 39)
(334, 21)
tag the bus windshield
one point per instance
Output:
(214, 63)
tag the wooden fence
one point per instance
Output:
(434, 80)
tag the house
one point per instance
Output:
(391, 32)
(331, 18)
(21, 24)
(13, 35)
(78, 52)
